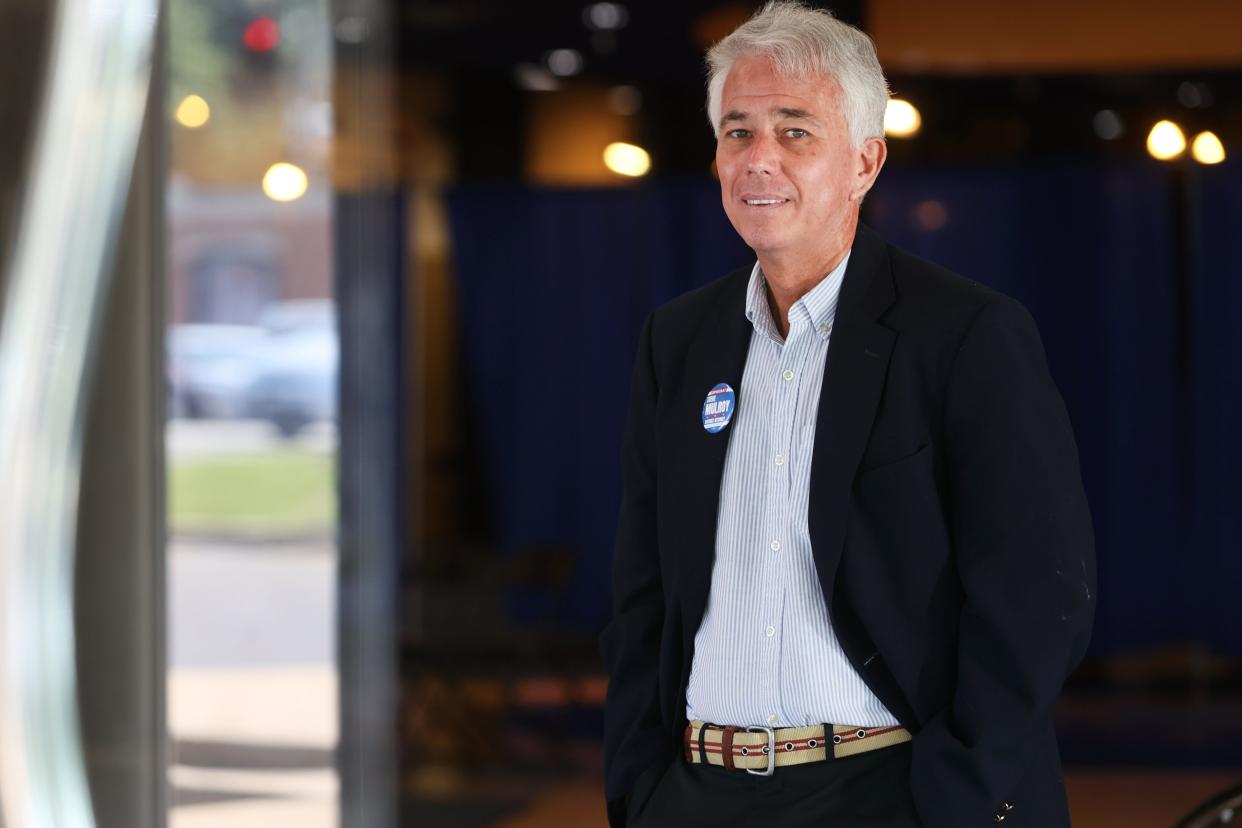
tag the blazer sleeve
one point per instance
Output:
(634, 737)
(1024, 549)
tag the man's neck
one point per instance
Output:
(790, 276)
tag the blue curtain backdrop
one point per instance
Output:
(553, 289)
(554, 286)
(1214, 557)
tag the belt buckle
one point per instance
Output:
(771, 749)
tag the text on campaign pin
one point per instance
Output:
(718, 408)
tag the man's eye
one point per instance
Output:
(794, 132)
(738, 133)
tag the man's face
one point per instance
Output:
(787, 171)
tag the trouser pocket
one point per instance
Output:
(644, 786)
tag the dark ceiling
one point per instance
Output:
(656, 43)
(476, 45)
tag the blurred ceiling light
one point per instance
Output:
(1194, 95)
(262, 34)
(284, 182)
(193, 112)
(1107, 124)
(1207, 148)
(1166, 141)
(627, 159)
(625, 100)
(605, 16)
(1188, 95)
(352, 29)
(564, 62)
(535, 78)
(931, 215)
(901, 119)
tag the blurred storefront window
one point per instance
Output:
(252, 362)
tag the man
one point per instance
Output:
(854, 562)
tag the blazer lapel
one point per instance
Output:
(716, 355)
(857, 363)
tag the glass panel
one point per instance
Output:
(74, 127)
(252, 361)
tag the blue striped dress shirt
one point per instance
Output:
(765, 653)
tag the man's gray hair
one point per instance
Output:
(803, 42)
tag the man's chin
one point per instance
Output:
(762, 243)
(761, 238)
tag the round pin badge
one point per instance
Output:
(718, 408)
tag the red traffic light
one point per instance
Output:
(262, 35)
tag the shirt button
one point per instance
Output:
(780, 459)
(787, 376)
(773, 719)
(824, 328)
(771, 631)
(776, 546)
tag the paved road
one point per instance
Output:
(252, 672)
(236, 604)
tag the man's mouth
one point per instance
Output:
(765, 202)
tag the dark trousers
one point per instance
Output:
(870, 790)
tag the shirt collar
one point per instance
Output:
(818, 305)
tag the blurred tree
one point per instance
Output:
(197, 63)
(266, 106)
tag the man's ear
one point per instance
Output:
(871, 158)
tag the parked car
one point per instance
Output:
(299, 315)
(211, 369)
(294, 382)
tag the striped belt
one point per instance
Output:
(760, 750)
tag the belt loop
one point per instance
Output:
(726, 741)
(702, 746)
(685, 743)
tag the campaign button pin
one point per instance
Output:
(718, 408)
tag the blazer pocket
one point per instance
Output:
(892, 465)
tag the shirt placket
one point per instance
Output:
(782, 420)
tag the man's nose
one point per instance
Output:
(764, 155)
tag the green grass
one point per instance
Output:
(278, 493)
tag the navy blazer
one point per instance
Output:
(950, 531)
